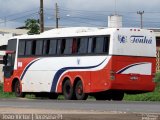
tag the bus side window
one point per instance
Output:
(106, 45)
(74, 46)
(33, 47)
(53, 47)
(46, 46)
(28, 50)
(58, 46)
(98, 45)
(68, 46)
(98, 48)
(91, 45)
(94, 44)
(22, 47)
(61, 46)
(83, 45)
(39, 47)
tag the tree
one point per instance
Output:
(33, 26)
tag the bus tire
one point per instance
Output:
(53, 96)
(103, 95)
(79, 92)
(37, 95)
(17, 90)
(117, 95)
(68, 90)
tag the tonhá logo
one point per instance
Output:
(122, 38)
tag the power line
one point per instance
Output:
(93, 19)
(79, 10)
(87, 23)
(101, 14)
(10, 20)
(85, 19)
(80, 16)
(10, 15)
(75, 10)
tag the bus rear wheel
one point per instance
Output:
(79, 92)
(17, 90)
(117, 95)
(68, 90)
(103, 96)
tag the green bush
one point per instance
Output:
(157, 77)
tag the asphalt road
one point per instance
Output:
(110, 109)
(91, 105)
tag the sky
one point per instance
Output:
(92, 13)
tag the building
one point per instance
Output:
(5, 35)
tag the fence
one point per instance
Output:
(158, 60)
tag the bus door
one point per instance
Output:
(9, 58)
(8, 61)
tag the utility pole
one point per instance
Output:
(41, 17)
(57, 15)
(141, 14)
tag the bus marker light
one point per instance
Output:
(112, 75)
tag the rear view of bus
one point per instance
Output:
(133, 61)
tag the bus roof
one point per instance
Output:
(77, 31)
(123, 41)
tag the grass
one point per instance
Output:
(5, 94)
(152, 96)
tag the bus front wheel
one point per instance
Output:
(68, 90)
(53, 96)
(17, 90)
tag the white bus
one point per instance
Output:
(81, 61)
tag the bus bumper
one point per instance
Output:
(132, 82)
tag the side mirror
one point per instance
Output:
(5, 59)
